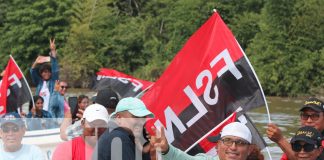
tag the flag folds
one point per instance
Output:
(125, 85)
(207, 81)
(14, 89)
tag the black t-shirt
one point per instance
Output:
(117, 143)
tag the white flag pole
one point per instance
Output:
(32, 98)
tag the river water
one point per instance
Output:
(283, 111)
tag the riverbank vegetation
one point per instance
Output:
(282, 38)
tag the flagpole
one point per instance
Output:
(147, 88)
(212, 130)
(32, 98)
(268, 152)
(263, 96)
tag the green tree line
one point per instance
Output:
(282, 38)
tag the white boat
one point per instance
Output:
(46, 140)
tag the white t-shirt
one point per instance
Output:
(45, 93)
(26, 152)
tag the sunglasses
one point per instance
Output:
(313, 117)
(66, 87)
(297, 147)
(6, 129)
(229, 142)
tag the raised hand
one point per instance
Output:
(160, 143)
(33, 111)
(79, 114)
(23, 114)
(57, 86)
(43, 59)
(274, 133)
(53, 47)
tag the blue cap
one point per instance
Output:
(12, 117)
(133, 105)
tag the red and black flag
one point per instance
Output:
(207, 81)
(125, 85)
(14, 89)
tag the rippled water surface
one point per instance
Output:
(285, 113)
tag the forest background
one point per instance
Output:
(284, 39)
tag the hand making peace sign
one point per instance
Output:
(52, 47)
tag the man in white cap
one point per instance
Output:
(234, 144)
(105, 97)
(94, 123)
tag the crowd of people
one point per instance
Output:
(106, 127)
(117, 135)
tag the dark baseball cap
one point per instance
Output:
(12, 117)
(107, 97)
(307, 134)
(314, 104)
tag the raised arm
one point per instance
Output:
(275, 135)
(65, 124)
(55, 102)
(54, 63)
(34, 71)
(172, 153)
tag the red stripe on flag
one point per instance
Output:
(11, 77)
(208, 79)
(196, 56)
(111, 73)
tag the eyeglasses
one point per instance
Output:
(313, 117)
(6, 129)
(239, 143)
(297, 147)
(66, 87)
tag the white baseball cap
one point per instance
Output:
(237, 129)
(234, 129)
(95, 112)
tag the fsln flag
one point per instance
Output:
(209, 79)
(125, 85)
(14, 89)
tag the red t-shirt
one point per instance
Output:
(75, 149)
(284, 157)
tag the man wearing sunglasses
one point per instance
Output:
(311, 114)
(234, 144)
(307, 143)
(12, 130)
